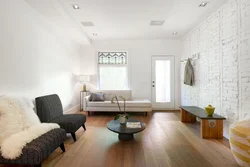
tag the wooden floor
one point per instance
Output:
(165, 142)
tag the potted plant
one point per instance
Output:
(124, 116)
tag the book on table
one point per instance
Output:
(133, 124)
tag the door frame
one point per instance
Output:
(173, 85)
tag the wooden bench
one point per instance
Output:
(211, 127)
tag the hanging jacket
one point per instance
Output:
(189, 74)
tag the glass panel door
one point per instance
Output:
(163, 82)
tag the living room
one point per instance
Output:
(124, 83)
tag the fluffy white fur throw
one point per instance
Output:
(19, 125)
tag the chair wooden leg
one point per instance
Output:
(74, 136)
(62, 147)
(39, 165)
(84, 127)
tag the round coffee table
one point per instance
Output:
(124, 132)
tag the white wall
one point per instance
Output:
(140, 53)
(88, 61)
(222, 73)
(35, 59)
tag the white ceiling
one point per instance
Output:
(130, 19)
(61, 20)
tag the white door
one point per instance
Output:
(163, 82)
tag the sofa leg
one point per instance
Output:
(88, 113)
(145, 114)
(84, 127)
(74, 136)
(39, 165)
(62, 147)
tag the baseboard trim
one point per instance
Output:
(73, 110)
(165, 110)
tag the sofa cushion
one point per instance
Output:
(39, 149)
(135, 103)
(70, 122)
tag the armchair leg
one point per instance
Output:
(74, 136)
(62, 147)
(39, 165)
(84, 127)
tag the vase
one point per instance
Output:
(123, 119)
(209, 110)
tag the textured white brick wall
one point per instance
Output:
(222, 74)
(245, 58)
(230, 63)
(213, 61)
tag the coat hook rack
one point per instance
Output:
(193, 58)
(185, 60)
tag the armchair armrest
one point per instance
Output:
(87, 98)
(85, 102)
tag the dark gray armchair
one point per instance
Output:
(49, 109)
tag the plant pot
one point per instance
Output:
(123, 119)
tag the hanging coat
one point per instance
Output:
(189, 74)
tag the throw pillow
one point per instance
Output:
(97, 97)
(91, 96)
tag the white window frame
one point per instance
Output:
(114, 65)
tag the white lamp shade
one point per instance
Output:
(84, 78)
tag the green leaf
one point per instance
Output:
(117, 117)
(129, 115)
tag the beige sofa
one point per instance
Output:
(132, 105)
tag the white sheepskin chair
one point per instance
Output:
(19, 125)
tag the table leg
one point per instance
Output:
(125, 136)
(187, 117)
(211, 129)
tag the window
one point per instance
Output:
(113, 71)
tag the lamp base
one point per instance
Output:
(84, 88)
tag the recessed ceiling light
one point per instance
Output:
(88, 24)
(94, 34)
(157, 22)
(75, 6)
(175, 33)
(203, 4)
